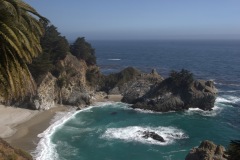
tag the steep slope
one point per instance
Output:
(7, 152)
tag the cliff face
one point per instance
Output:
(139, 86)
(69, 87)
(74, 89)
(9, 153)
(46, 93)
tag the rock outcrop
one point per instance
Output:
(153, 135)
(137, 88)
(130, 82)
(68, 87)
(73, 88)
(166, 95)
(7, 152)
(207, 151)
(46, 94)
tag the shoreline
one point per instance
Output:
(25, 131)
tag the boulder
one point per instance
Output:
(207, 151)
(153, 135)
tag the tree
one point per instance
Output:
(20, 33)
(83, 50)
(55, 47)
(54, 44)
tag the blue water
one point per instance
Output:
(112, 131)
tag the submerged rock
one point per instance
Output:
(153, 135)
(207, 151)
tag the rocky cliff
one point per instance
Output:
(207, 151)
(67, 85)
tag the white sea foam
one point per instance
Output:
(149, 111)
(45, 148)
(228, 99)
(114, 59)
(146, 111)
(233, 99)
(231, 91)
(215, 111)
(135, 134)
(227, 84)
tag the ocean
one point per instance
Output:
(111, 131)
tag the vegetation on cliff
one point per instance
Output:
(83, 50)
(55, 47)
(234, 150)
(183, 78)
(7, 152)
(20, 33)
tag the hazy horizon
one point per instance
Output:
(142, 19)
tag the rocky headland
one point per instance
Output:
(151, 91)
(165, 96)
(207, 150)
(77, 84)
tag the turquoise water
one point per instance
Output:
(112, 131)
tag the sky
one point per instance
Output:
(143, 19)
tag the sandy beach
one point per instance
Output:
(20, 127)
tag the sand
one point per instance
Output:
(10, 117)
(23, 125)
(20, 127)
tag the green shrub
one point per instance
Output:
(83, 50)
(234, 150)
(184, 78)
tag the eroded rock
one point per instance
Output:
(207, 150)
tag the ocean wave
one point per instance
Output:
(231, 91)
(228, 99)
(150, 111)
(114, 59)
(46, 149)
(215, 111)
(227, 84)
(134, 134)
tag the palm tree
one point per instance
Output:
(20, 32)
